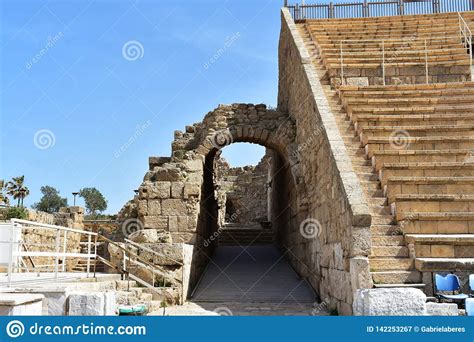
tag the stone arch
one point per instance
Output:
(171, 197)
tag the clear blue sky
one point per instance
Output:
(79, 109)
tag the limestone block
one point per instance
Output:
(389, 302)
(360, 274)
(156, 222)
(357, 81)
(173, 207)
(21, 304)
(86, 304)
(155, 190)
(192, 190)
(151, 236)
(177, 189)
(442, 309)
(166, 254)
(154, 208)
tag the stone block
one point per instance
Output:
(442, 309)
(192, 190)
(150, 236)
(155, 222)
(177, 189)
(389, 302)
(155, 190)
(21, 304)
(173, 207)
(86, 304)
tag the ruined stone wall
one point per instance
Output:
(44, 240)
(242, 193)
(332, 241)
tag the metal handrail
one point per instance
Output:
(58, 251)
(465, 35)
(52, 226)
(363, 9)
(397, 39)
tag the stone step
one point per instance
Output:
(123, 285)
(418, 143)
(373, 120)
(442, 264)
(455, 169)
(385, 230)
(405, 205)
(396, 277)
(353, 102)
(439, 223)
(410, 285)
(389, 251)
(390, 264)
(368, 133)
(394, 240)
(427, 185)
(383, 220)
(380, 158)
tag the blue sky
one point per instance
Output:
(80, 109)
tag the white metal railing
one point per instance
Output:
(374, 8)
(407, 46)
(18, 246)
(465, 35)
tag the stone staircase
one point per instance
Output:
(403, 43)
(411, 147)
(129, 293)
(238, 234)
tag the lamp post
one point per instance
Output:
(75, 194)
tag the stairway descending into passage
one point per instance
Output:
(245, 234)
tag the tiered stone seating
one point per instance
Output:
(404, 39)
(425, 165)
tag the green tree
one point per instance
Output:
(51, 201)
(3, 197)
(17, 189)
(94, 200)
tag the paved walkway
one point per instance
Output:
(256, 280)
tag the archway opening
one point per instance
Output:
(246, 215)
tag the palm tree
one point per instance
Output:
(17, 189)
(3, 197)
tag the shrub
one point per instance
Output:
(16, 212)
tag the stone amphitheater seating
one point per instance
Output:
(412, 144)
(403, 41)
(428, 174)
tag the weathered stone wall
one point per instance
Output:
(242, 192)
(332, 243)
(44, 240)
